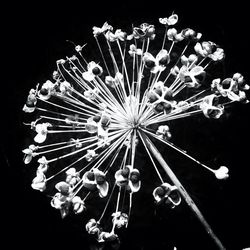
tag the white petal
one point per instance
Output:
(88, 76)
(40, 138)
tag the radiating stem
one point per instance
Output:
(182, 191)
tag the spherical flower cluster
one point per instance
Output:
(92, 116)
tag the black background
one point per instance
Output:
(34, 36)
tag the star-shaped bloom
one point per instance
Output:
(210, 107)
(118, 35)
(129, 178)
(90, 155)
(64, 188)
(205, 48)
(217, 55)
(46, 90)
(174, 36)
(167, 194)
(93, 70)
(230, 88)
(168, 21)
(163, 132)
(144, 31)
(78, 205)
(158, 63)
(114, 81)
(239, 78)
(191, 35)
(161, 98)
(192, 78)
(65, 87)
(96, 180)
(72, 177)
(133, 50)
(29, 153)
(42, 130)
(101, 30)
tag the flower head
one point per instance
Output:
(106, 112)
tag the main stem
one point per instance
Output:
(182, 191)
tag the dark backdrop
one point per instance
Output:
(34, 36)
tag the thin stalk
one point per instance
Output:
(182, 191)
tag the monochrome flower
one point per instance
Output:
(96, 180)
(29, 153)
(105, 112)
(172, 20)
(158, 63)
(128, 178)
(42, 131)
(39, 182)
(167, 194)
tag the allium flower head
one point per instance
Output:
(95, 113)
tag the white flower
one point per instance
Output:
(218, 55)
(163, 132)
(172, 20)
(114, 81)
(192, 78)
(210, 107)
(91, 126)
(120, 219)
(64, 188)
(29, 153)
(167, 194)
(42, 130)
(91, 93)
(128, 178)
(46, 90)
(133, 50)
(174, 36)
(39, 182)
(43, 164)
(101, 30)
(72, 177)
(65, 87)
(96, 179)
(92, 227)
(158, 63)
(221, 173)
(78, 205)
(93, 70)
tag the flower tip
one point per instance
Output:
(222, 173)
